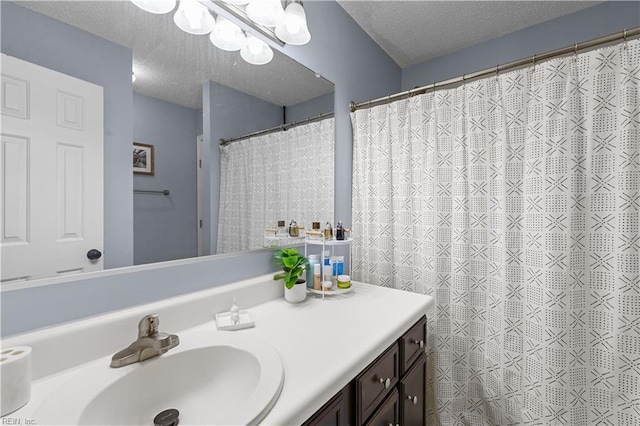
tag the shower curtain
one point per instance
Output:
(513, 200)
(283, 175)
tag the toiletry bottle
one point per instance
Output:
(313, 260)
(327, 275)
(327, 270)
(338, 265)
(328, 232)
(326, 260)
(316, 277)
(293, 229)
(281, 229)
(339, 231)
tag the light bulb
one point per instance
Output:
(256, 51)
(193, 18)
(255, 46)
(155, 6)
(293, 26)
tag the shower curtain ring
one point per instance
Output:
(624, 36)
(534, 60)
(575, 51)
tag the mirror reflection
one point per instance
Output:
(179, 96)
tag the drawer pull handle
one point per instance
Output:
(391, 424)
(419, 343)
(386, 382)
(413, 399)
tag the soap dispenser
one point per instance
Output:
(328, 231)
(293, 229)
(339, 231)
(234, 312)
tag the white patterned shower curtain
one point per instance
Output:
(283, 175)
(514, 201)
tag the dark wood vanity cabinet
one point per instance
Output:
(390, 391)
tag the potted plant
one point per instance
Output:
(293, 266)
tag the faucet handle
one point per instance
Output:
(148, 325)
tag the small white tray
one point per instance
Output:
(332, 292)
(223, 321)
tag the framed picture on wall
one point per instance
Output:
(142, 159)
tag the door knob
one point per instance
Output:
(94, 254)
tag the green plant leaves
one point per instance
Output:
(292, 263)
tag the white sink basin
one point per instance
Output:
(228, 379)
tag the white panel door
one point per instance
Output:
(51, 162)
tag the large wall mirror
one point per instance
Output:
(251, 182)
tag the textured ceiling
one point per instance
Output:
(415, 31)
(171, 65)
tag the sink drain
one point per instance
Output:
(167, 418)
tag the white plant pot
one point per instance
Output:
(297, 293)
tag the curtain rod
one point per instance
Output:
(622, 35)
(224, 142)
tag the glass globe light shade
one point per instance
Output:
(194, 18)
(293, 28)
(265, 12)
(256, 51)
(227, 36)
(155, 6)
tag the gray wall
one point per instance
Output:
(227, 113)
(165, 227)
(44, 41)
(343, 53)
(607, 18)
(312, 107)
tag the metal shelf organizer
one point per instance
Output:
(317, 239)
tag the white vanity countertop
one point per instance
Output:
(323, 344)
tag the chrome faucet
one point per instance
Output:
(150, 343)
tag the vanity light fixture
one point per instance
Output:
(193, 17)
(265, 16)
(256, 52)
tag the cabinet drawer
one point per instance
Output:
(412, 344)
(374, 383)
(413, 394)
(388, 413)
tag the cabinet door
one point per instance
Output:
(337, 412)
(413, 392)
(388, 414)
